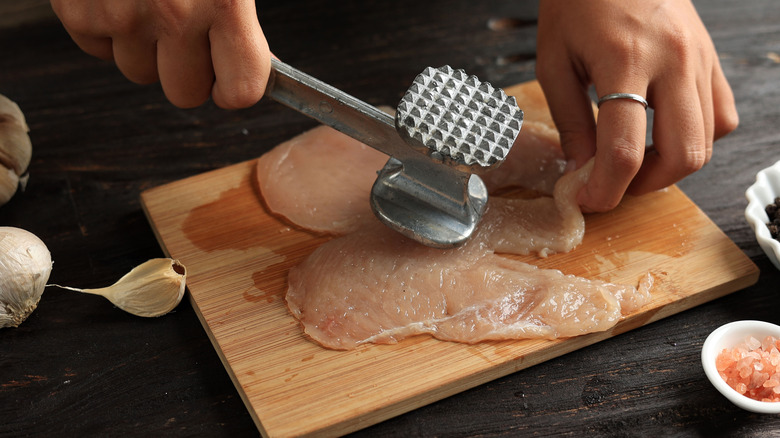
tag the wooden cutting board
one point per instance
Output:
(237, 257)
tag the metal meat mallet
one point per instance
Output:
(448, 128)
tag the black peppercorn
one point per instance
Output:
(773, 212)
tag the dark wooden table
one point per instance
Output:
(80, 367)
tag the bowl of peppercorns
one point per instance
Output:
(763, 211)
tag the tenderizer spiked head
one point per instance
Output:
(457, 119)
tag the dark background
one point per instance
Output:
(80, 367)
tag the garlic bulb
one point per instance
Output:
(153, 288)
(25, 266)
(15, 148)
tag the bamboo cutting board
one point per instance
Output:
(237, 257)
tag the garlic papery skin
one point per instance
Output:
(15, 147)
(152, 288)
(25, 266)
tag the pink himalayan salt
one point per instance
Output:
(753, 368)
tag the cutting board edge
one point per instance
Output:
(479, 377)
(204, 324)
(518, 364)
(143, 198)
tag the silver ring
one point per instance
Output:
(634, 97)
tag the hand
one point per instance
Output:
(195, 48)
(659, 49)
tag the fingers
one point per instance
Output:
(725, 117)
(195, 49)
(708, 117)
(689, 117)
(136, 59)
(565, 86)
(656, 49)
(691, 112)
(617, 141)
(78, 20)
(229, 60)
(620, 146)
(680, 141)
(99, 47)
(571, 109)
(241, 59)
(185, 69)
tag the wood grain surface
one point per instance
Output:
(238, 256)
(80, 367)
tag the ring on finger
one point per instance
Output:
(630, 96)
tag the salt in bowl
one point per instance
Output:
(729, 336)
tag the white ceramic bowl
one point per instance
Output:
(761, 193)
(729, 336)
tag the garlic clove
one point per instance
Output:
(153, 288)
(15, 147)
(15, 144)
(25, 266)
(9, 181)
(8, 106)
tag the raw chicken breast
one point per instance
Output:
(320, 180)
(376, 286)
(373, 285)
(540, 225)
